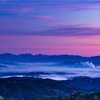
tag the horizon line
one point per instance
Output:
(49, 54)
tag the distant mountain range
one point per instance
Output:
(47, 58)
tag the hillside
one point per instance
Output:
(29, 88)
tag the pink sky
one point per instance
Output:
(85, 46)
(50, 27)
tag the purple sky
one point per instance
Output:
(50, 27)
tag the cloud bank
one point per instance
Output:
(88, 64)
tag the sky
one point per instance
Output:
(50, 27)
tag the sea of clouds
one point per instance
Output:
(53, 70)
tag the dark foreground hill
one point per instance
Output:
(29, 88)
(84, 84)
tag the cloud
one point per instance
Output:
(17, 10)
(22, 10)
(48, 17)
(75, 9)
(73, 30)
(88, 64)
(44, 18)
(9, 21)
(71, 5)
(18, 6)
(68, 30)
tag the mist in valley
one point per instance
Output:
(49, 70)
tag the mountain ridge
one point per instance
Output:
(27, 57)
